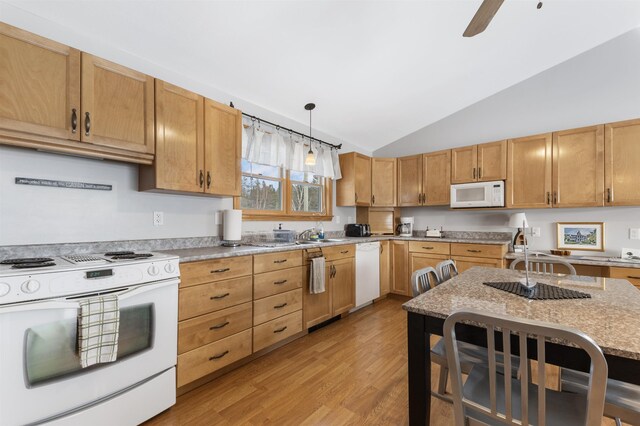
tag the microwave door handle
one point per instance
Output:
(63, 303)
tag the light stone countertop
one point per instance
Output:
(611, 316)
(217, 252)
(580, 260)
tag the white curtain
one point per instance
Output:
(287, 150)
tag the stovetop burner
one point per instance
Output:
(118, 253)
(27, 261)
(26, 265)
(131, 256)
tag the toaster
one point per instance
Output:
(358, 230)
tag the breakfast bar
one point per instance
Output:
(611, 316)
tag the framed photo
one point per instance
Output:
(581, 236)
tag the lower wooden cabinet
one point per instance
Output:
(340, 290)
(630, 274)
(274, 331)
(276, 306)
(464, 263)
(206, 359)
(400, 264)
(385, 267)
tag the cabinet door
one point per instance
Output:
(343, 285)
(400, 258)
(316, 307)
(385, 267)
(410, 181)
(383, 182)
(117, 106)
(492, 161)
(529, 172)
(464, 263)
(622, 157)
(363, 180)
(464, 164)
(437, 178)
(180, 139)
(578, 167)
(40, 85)
(222, 148)
(419, 261)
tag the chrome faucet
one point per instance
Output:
(307, 232)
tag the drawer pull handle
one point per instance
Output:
(474, 251)
(280, 330)
(280, 306)
(280, 261)
(280, 282)
(212, 358)
(633, 277)
(344, 252)
(427, 248)
(217, 271)
(217, 326)
(220, 296)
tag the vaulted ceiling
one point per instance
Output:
(377, 70)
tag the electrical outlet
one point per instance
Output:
(634, 233)
(158, 218)
(535, 231)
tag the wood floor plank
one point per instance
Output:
(351, 372)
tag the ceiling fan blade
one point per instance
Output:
(483, 17)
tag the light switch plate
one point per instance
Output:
(535, 231)
(634, 233)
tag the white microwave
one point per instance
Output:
(477, 194)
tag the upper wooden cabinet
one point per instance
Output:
(436, 176)
(410, 181)
(117, 106)
(622, 160)
(44, 105)
(479, 163)
(223, 145)
(383, 182)
(354, 189)
(40, 86)
(529, 172)
(179, 164)
(464, 163)
(578, 167)
(198, 144)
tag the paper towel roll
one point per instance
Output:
(232, 225)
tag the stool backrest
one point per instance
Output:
(424, 279)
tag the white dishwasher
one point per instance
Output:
(367, 273)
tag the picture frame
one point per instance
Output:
(580, 236)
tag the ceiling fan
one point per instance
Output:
(483, 17)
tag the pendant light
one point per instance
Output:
(310, 160)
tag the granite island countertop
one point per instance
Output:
(217, 252)
(611, 316)
(590, 260)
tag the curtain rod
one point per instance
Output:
(260, 120)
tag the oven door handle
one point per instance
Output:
(64, 303)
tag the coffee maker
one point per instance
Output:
(405, 228)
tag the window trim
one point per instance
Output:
(287, 213)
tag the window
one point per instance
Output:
(269, 192)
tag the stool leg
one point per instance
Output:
(442, 381)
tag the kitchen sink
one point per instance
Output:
(326, 240)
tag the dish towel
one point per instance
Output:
(98, 330)
(316, 276)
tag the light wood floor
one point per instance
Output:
(351, 372)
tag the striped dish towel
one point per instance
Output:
(98, 329)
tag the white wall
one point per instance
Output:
(40, 215)
(598, 86)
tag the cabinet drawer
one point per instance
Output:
(194, 273)
(492, 251)
(205, 298)
(271, 283)
(199, 362)
(217, 325)
(464, 263)
(276, 306)
(429, 247)
(339, 252)
(630, 274)
(276, 261)
(276, 330)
